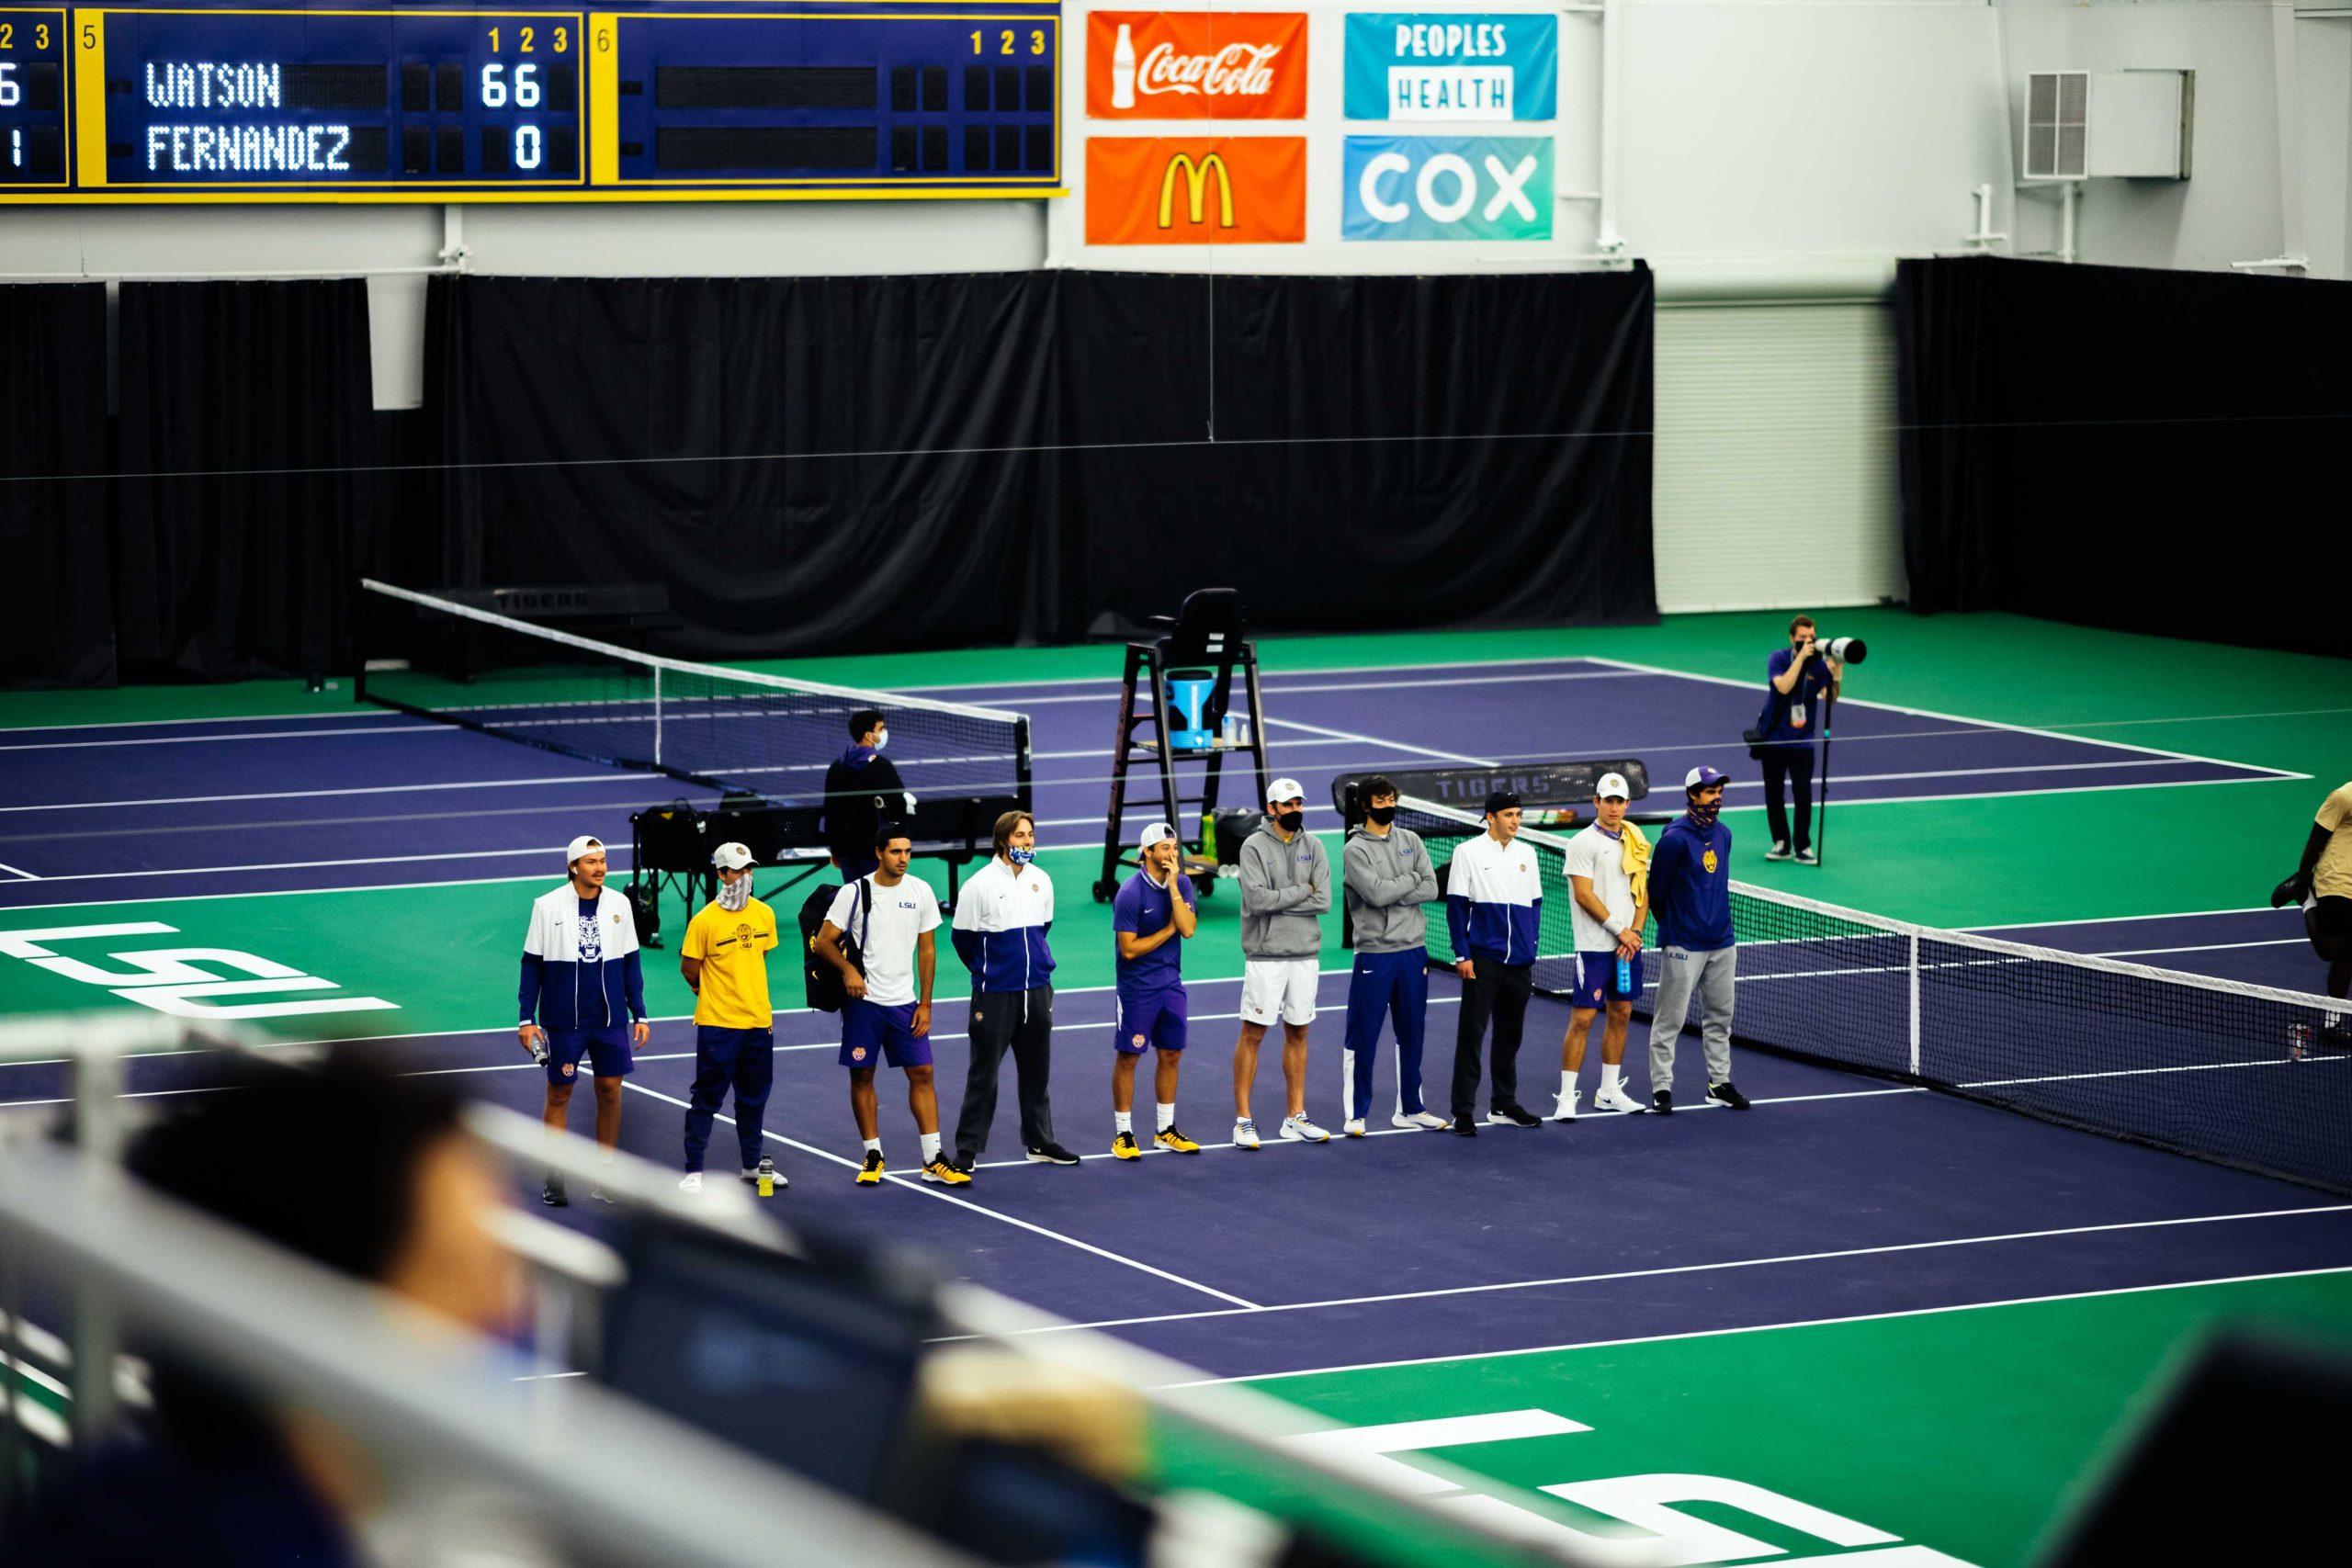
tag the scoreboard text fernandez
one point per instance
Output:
(694, 100)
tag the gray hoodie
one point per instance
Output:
(1388, 881)
(1283, 888)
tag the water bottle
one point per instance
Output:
(1625, 975)
(767, 1177)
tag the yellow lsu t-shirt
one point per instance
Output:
(733, 950)
(2332, 877)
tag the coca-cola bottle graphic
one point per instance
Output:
(1122, 70)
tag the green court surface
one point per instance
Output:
(1966, 1431)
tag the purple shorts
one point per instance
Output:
(1596, 979)
(873, 1035)
(1154, 1021)
(607, 1050)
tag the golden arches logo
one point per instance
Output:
(1196, 189)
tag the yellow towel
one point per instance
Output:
(1636, 863)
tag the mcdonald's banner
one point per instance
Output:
(1170, 190)
(1196, 65)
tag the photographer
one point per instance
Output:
(1801, 676)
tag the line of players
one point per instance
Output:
(582, 979)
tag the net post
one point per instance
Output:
(1911, 964)
(657, 716)
(1020, 761)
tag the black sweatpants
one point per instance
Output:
(1022, 1021)
(1497, 992)
(2328, 922)
(1787, 768)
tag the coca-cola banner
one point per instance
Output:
(1168, 190)
(1196, 65)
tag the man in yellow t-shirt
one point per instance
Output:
(2323, 885)
(724, 959)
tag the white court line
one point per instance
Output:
(1886, 1250)
(1373, 740)
(613, 777)
(293, 865)
(1769, 1328)
(13, 870)
(250, 735)
(2126, 920)
(914, 1185)
(1963, 719)
(352, 711)
(2200, 947)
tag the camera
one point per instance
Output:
(1844, 649)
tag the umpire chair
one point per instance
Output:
(1184, 673)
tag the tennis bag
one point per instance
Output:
(826, 992)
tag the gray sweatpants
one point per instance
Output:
(1682, 972)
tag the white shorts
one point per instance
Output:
(1278, 988)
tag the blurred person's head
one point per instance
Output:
(348, 1166)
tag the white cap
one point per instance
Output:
(1612, 786)
(1283, 789)
(1154, 833)
(582, 845)
(730, 857)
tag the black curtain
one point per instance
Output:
(1379, 452)
(54, 548)
(248, 496)
(808, 464)
(2149, 451)
(813, 465)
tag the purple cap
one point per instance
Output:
(1700, 778)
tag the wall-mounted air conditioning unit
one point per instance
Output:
(2083, 125)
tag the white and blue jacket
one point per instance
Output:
(1493, 900)
(562, 989)
(1001, 916)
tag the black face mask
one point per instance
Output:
(1290, 820)
(1705, 816)
(1384, 815)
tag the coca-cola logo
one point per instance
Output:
(1238, 69)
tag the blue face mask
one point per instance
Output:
(1019, 856)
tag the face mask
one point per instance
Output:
(1019, 856)
(881, 739)
(1384, 815)
(733, 895)
(1705, 816)
(1290, 820)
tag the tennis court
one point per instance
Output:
(1863, 1279)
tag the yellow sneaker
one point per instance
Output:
(1175, 1141)
(947, 1175)
(871, 1175)
(1124, 1147)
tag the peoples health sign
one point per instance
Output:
(1448, 187)
(1452, 65)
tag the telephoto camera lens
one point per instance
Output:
(1846, 649)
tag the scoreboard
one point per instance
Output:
(434, 101)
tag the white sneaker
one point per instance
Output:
(1354, 1129)
(1565, 1110)
(1300, 1129)
(1613, 1096)
(1428, 1119)
(1245, 1133)
(691, 1182)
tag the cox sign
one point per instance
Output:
(1448, 187)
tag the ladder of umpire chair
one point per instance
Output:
(1143, 665)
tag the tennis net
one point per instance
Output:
(730, 730)
(2241, 1075)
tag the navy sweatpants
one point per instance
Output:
(740, 1059)
(1395, 984)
